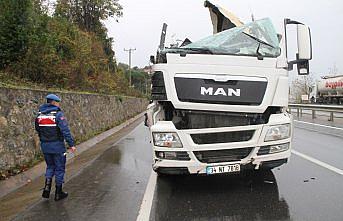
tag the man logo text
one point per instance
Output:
(220, 91)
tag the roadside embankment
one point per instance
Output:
(87, 114)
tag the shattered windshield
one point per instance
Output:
(257, 38)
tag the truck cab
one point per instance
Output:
(219, 105)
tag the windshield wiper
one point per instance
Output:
(258, 40)
(259, 55)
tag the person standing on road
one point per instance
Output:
(53, 130)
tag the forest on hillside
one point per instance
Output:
(63, 44)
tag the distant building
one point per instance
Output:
(147, 69)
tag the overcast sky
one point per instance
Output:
(141, 25)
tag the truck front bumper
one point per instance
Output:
(194, 166)
(185, 171)
(187, 159)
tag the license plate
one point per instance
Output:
(223, 169)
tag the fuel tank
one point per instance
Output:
(331, 86)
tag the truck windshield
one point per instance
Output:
(257, 38)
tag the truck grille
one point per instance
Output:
(195, 119)
(224, 137)
(218, 156)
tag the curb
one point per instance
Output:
(15, 182)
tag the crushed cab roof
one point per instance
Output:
(221, 18)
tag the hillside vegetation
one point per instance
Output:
(60, 44)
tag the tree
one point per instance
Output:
(94, 11)
(302, 85)
(63, 10)
(88, 14)
(67, 49)
(15, 27)
(123, 66)
(140, 80)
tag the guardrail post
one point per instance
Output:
(325, 108)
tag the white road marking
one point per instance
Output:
(318, 162)
(330, 127)
(145, 209)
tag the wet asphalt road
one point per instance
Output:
(112, 188)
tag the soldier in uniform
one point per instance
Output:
(53, 130)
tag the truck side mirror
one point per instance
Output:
(304, 49)
(304, 42)
(304, 46)
(303, 67)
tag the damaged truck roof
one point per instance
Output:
(221, 18)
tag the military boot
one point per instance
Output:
(47, 188)
(59, 194)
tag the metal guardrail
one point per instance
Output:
(315, 107)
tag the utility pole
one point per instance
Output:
(130, 50)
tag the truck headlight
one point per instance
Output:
(163, 139)
(278, 132)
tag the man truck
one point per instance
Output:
(219, 105)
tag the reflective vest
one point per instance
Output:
(47, 127)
